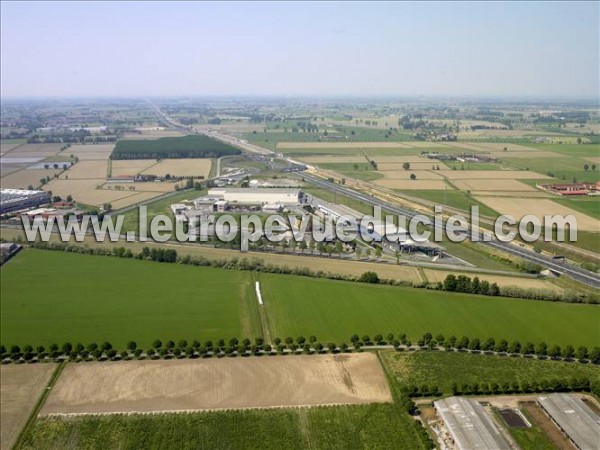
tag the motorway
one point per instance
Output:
(577, 273)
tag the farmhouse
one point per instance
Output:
(469, 425)
(572, 188)
(15, 199)
(257, 196)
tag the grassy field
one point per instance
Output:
(379, 426)
(563, 168)
(445, 368)
(195, 146)
(589, 206)
(334, 310)
(89, 298)
(581, 150)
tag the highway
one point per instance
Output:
(583, 276)
(577, 273)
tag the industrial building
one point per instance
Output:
(17, 199)
(574, 418)
(469, 425)
(258, 196)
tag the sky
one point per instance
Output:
(449, 49)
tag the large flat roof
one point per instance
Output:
(574, 417)
(469, 424)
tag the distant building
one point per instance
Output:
(257, 196)
(572, 188)
(8, 250)
(17, 199)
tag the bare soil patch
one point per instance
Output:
(186, 167)
(20, 388)
(208, 384)
(498, 186)
(87, 152)
(519, 207)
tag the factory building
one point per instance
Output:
(17, 199)
(258, 196)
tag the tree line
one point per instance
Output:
(307, 345)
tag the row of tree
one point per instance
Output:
(234, 346)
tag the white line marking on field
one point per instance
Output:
(258, 294)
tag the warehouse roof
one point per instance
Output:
(470, 426)
(574, 417)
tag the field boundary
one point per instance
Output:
(38, 406)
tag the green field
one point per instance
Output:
(589, 205)
(334, 310)
(53, 297)
(86, 298)
(445, 368)
(196, 146)
(562, 168)
(381, 426)
(581, 150)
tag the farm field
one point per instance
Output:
(523, 283)
(168, 301)
(518, 208)
(130, 167)
(20, 388)
(335, 310)
(588, 206)
(22, 179)
(445, 368)
(85, 170)
(152, 134)
(409, 185)
(454, 199)
(500, 187)
(91, 152)
(259, 429)
(209, 384)
(87, 191)
(184, 167)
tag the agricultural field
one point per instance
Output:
(183, 167)
(445, 368)
(168, 301)
(260, 429)
(91, 152)
(519, 207)
(335, 310)
(21, 386)
(194, 146)
(22, 179)
(130, 167)
(209, 384)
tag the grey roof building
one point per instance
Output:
(574, 418)
(469, 425)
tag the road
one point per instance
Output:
(577, 273)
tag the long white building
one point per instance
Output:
(15, 199)
(258, 196)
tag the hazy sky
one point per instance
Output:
(444, 49)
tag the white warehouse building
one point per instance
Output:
(258, 196)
